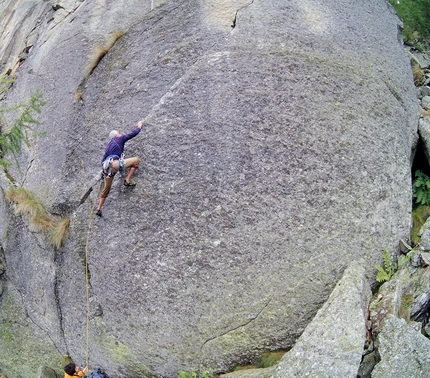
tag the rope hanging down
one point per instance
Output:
(87, 279)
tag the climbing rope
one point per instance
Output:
(87, 278)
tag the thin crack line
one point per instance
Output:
(233, 25)
(239, 326)
(33, 321)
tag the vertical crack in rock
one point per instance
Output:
(26, 171)
(233, 25)
(34, 322)
(58, 304)
(239, 326)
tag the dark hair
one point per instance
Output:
(70, 369)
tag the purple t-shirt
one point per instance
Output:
(116, 145)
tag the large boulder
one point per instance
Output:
(332, 344)
(276, 149)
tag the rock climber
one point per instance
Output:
(112, 159)
(71, 371)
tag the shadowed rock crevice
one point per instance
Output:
(233, 25)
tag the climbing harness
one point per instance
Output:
(107, 166)
(87, 277)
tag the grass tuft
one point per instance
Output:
(17, 195)
(60, 233)
(27, 205)
(418, 73)
(42, 223)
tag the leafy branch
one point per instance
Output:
(23, 127)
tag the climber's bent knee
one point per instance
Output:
(132, 162)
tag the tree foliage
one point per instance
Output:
(22, 129)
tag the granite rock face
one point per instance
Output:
(332, 344)
(276, 149)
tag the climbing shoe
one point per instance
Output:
(131, 183)
(99, 213)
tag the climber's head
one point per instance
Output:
(113, 134)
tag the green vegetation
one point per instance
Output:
(5, 335)
(421, 188)
(268, 359)
(386, 272)
(12, 137)
(421, 208)
(404, 311)
(415, 15)
(419, 217)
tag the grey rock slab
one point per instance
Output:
(424, 130)
(406, 295)
(425, 256)
(332, 344)
(425, 102)
(404, 351)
